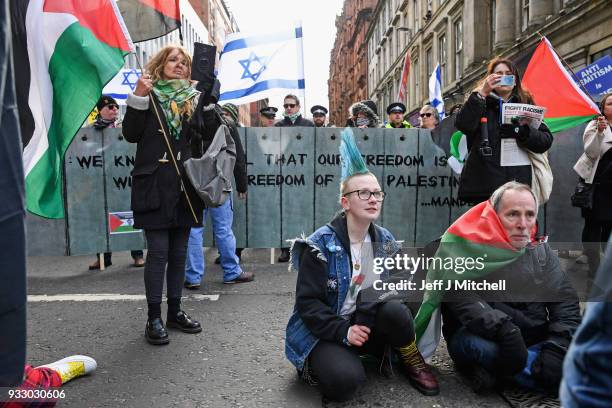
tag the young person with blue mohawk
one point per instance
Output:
(332, 324)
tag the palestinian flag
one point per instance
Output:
(65, 52)
(121, 222)
(452, 141)
(476, 234)
(553, 88)
(148, 19)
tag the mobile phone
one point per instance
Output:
(506, 80)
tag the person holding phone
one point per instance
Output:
(162, 113)
(595, 167)
(482, 174)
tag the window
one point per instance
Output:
(442, 57)
(388, 11)
(415, 16)
(429, 61)
(601, 54)
(458, 29)
(391, 49)
(398, 43)
(525, 14)
(417, 76)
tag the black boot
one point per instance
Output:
(284, 256)
(184, 323)
(155, 332)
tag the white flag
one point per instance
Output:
(435, 91)
(254, 67)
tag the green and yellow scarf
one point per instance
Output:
(172, 94)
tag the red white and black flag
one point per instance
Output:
(148, 19)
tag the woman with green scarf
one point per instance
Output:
(159, 198)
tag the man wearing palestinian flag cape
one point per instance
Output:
(332, 325)
(511, 311)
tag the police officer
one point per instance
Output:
(396, 111)
(318, 116)
(267, 116)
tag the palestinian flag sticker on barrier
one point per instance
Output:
(121, 223)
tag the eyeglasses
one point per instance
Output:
(112, 106)
(423, 115)
(366, 194)
(289, 105)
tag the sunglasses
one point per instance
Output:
(112, 106)
(289, 105)
(426, 115)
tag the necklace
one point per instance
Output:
(357, 258)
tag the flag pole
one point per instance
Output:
(165, 136)
(567, 66)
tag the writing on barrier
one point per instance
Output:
(293, 186)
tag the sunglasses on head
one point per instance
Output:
(425, 115)
(289, 105)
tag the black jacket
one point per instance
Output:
(300, 121)
(552, 314)
(313, 301)
(482, 175)
(157, 199)
(213, 120)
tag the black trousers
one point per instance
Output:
(12, 219)
(338, 368)
(165, 247)
(595, 234)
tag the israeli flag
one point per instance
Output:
(122, 84)
(435, 91)
(254, 67)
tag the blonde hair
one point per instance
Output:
(155, 68)
(344, 184)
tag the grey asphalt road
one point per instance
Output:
(237, 361)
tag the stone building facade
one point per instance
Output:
(463, 35)
(349, 59)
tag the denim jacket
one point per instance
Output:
(325, 242)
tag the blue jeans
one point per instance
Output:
(222, 218)
(467, 348)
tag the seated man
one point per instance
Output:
(331, 326)
(522, 332)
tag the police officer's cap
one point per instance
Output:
(396, 107)
(318, 109)
(269, 111)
